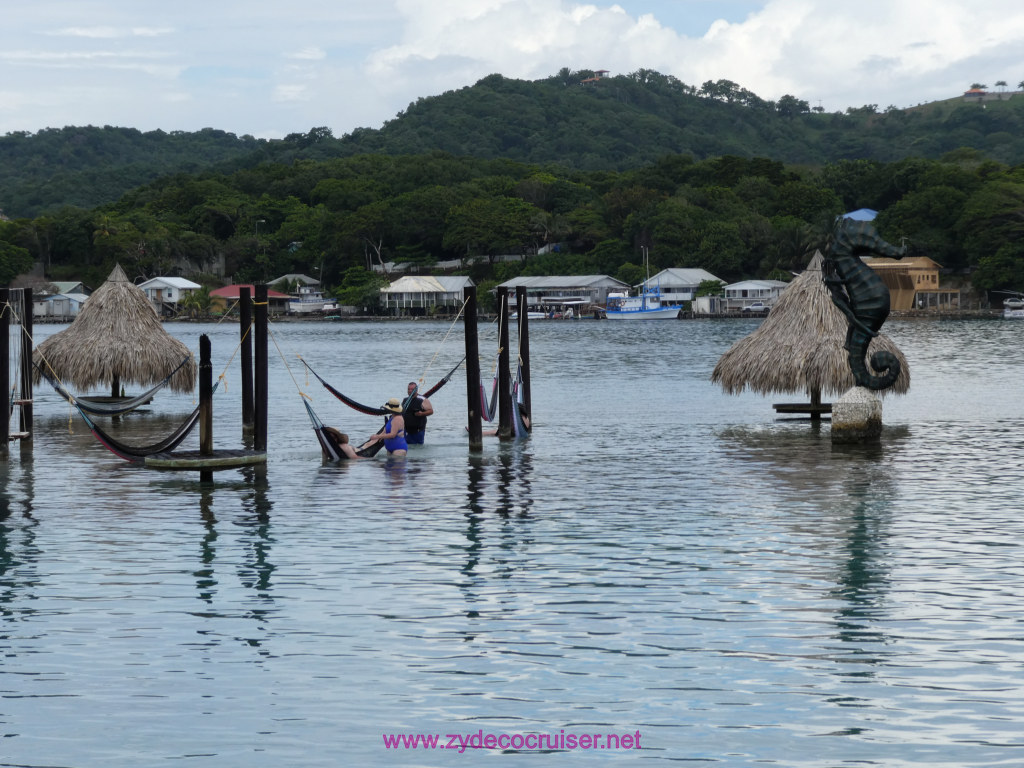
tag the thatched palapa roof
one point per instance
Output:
(116, 338)
(799, 346)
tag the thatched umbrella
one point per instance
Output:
(799, 346)
(116, 338)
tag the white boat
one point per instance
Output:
(1013, 303)
(308, 300)
(646, 306)
(1013, 314)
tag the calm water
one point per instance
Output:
(658, 558)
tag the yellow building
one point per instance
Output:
(913, 283)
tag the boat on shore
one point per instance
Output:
(645, 306)
(310, 299)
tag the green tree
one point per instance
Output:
(14, 261)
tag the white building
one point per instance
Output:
(419, 294)
(678, 284)
(165, 292)
(58, 306)
(553, 289)
(745, 293)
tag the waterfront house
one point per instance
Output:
(678, 284)
(423, 294)
(913, 283)
(57, 306)
(740, 295)
(164, 293)
(70, 287)
(224, 299)
(555, 289)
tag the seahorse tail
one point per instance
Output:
(885, 362)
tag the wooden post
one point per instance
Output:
(205, 404)
(5, 370)
(476, 442)
(245, 332)
(524, 347)
(26, 370)
(504, 390)
(259, 441)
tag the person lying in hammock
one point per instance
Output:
(522, 415)
(340, 440)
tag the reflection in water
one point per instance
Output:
(258, 506)
(18, 551)
(205, 580)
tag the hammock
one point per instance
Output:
(371, 411)
(519, 428)
(329, 442)
(138, 453)
(104, 408)
(488, 409)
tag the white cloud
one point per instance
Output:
(270, 69)
(309, 53)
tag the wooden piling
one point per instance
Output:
(245, 333)
(205, 405)
(524, 347)
(476, 442)
(26, 392)
(5, 369)
(260, 373)
(504, 390)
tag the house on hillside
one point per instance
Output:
(418, 295)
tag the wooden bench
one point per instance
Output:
(814, 409)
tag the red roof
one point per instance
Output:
(232, 292)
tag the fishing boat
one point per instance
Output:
(310, 299)
(646, 306)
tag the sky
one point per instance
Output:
(268, 69)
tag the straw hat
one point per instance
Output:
(394, 405)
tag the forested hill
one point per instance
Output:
(88, 166)
(612, 123)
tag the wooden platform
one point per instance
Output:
(194, 460)
(811, 408)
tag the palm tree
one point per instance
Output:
(1001, 85)
(197, 303)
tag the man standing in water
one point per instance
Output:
(416, 417)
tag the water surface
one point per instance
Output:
(658, 557)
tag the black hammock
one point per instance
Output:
(105, 408)
(138, 453)
(371, 411)
(328, 438)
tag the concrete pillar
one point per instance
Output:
(857, 416)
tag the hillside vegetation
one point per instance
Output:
(712, 177)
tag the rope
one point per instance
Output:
(426, 370)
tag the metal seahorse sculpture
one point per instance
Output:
(862, 296)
